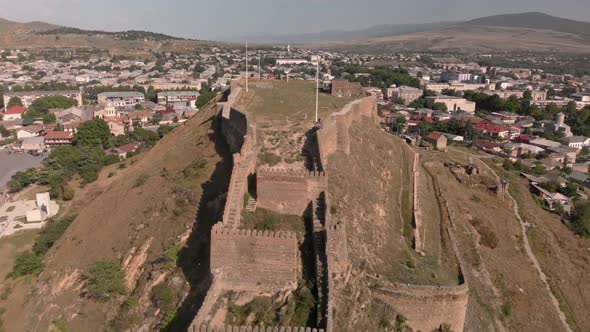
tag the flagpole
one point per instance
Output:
(247, 67)
(317, 89)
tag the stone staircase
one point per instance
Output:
(251, 206)
(321, 268)
(237, 189)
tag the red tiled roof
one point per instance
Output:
(128, 147)
(16, 110)
(434, 136)
(59, 135)
(491, 127)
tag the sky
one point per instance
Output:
(227, 19)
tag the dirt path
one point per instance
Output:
(527, 246)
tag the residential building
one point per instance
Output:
(28, 97)
(53, 138)
(559, 126)
(577, 142)
(453, 103)
(344, 88)
(14, 113)
(406, 93)
(121, 99)
(33, 144)
(189, 98)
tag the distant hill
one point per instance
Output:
(132, 42)
(338, 35)
(536, 32)
(7, 26)
(534, 20)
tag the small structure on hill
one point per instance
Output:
(45, 208)
(438, 140)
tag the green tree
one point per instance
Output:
(106, 279)
(26, 263)
(206, 94)
(14, 101)
(440, 107)
(4, 132)
(581, 219)
(50, 102)
(93, 133)
(527, 95)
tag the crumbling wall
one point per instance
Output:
(286, 191)
(426, 308)
(254, 260)
(230, 328)
(334, 135)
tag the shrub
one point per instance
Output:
(26, 263)
(52, 232)
(165, 298)
(106, 279)
(141, 180)
(68, 194)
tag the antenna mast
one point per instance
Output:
(259, 74)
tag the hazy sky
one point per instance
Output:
(217, 19)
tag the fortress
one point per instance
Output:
(265, 262)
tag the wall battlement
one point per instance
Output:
(265, 171)
(220, 231)
(230, 328)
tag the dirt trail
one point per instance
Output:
(527, 246)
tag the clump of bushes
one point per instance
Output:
(26, 263)
(106, 279)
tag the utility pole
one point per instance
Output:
(247, 67)
(259, 76)
(317, 89)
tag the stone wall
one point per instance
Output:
(426, 308)
(286, 191)
(334, 136)
(229, 328)
(254, 260)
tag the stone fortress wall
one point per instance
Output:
(426, 308)
(287, 191)
(266, 261)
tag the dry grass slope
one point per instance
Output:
(122, 219)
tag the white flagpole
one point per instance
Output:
(259, 71)
(247, 67)
(317, 89)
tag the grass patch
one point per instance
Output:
(26, 263)
(52, 232)
(165, 298)
(266, 220)
(106, 279)
(487, 237)
(141, 180)
(269, 158)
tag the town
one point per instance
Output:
(287, 188)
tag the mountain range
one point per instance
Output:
(534, 31)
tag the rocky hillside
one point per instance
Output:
(139, 217)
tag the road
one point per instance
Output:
(12, 163)
(527, 246)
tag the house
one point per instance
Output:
(188, 98)
(488, 146)
(552, 199)
(438, 140)
(405, 93)
(453, 104)
(582, 167)
(53, 138)
(122, 98)
(578, 176)
(117, 126)
(344, 88)
(29, 131)
(14, 113)
(577, 142)
(123, 150)
(33, 144)
(495, 130)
